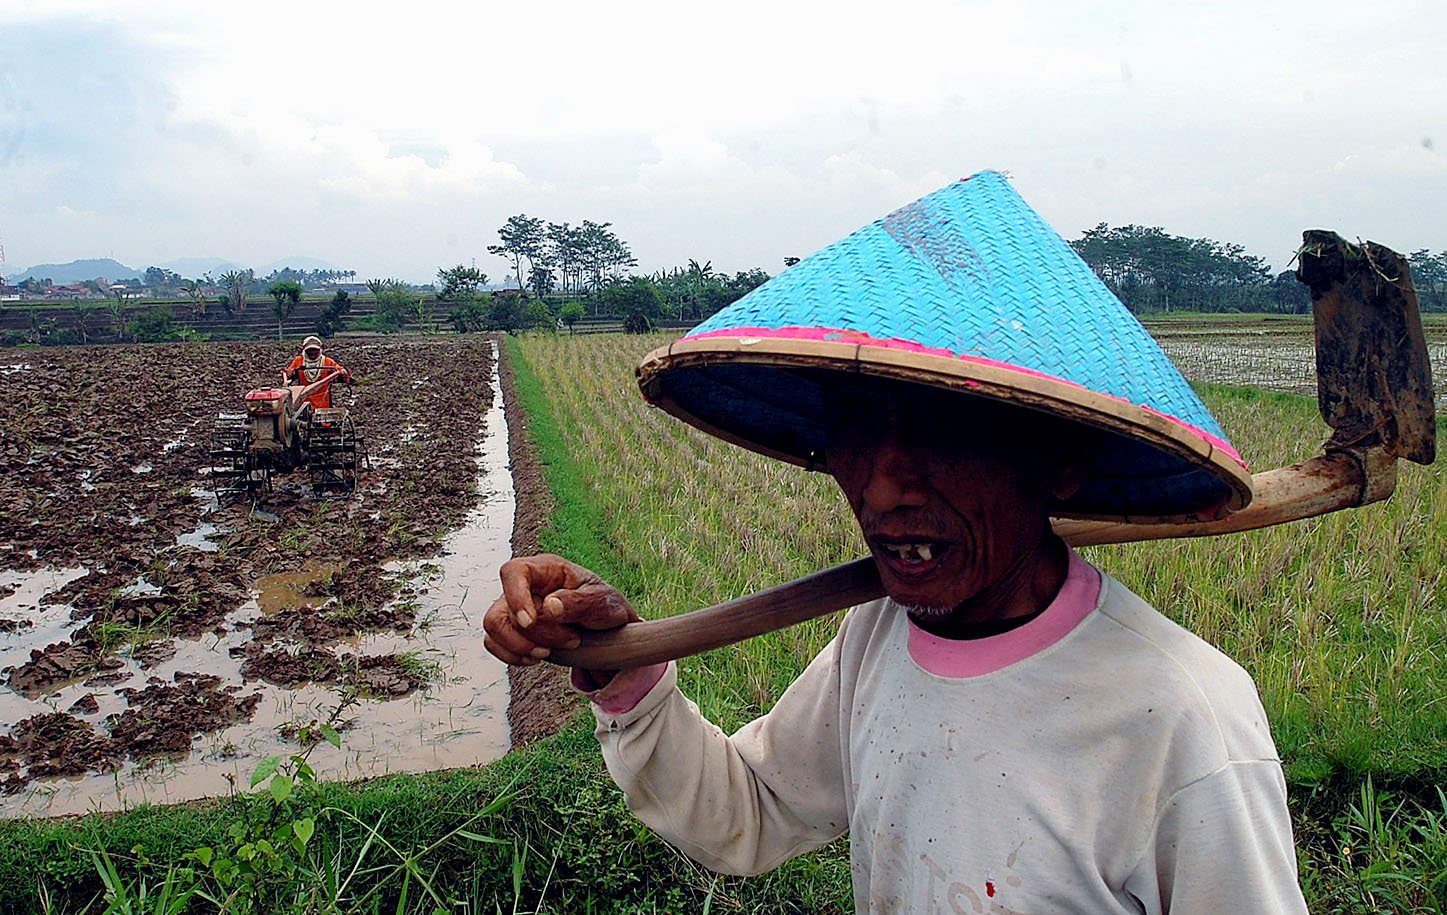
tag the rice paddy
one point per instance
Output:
(1339, 619)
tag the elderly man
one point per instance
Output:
(312, 366)
(1010, 730)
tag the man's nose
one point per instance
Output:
(895, 479)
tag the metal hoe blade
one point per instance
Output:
(1374, 380)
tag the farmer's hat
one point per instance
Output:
(969, 290)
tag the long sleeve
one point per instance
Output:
(741, 804)
(1223, 844)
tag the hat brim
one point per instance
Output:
(763, 393)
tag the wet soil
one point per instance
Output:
(105, 457)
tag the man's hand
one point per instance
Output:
(545, 601)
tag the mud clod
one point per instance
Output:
(165, 718)
(57, 743)
(56, 664)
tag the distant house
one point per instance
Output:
(348, 288)
(69, 291)
(9, 293)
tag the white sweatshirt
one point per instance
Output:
(1097, 759)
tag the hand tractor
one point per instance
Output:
(281, 431)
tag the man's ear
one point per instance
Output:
(1068, 479)
(1075, 454)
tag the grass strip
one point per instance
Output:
(578, 528)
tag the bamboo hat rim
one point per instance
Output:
(998, 382)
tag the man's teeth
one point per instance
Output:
(912, 552)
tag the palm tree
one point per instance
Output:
(287, 294)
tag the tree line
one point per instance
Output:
(573, 272)
(1151, 270)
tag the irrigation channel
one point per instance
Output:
(458, 720)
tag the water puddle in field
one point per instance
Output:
(24, 622)
(460, 720)
(289, 590)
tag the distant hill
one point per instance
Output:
(189, 267)
(77, 271)
(193, 268)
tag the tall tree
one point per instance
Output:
(286, 293)
(541, 281)
(458, 286)
(603, 255)
(523, 239)
(238, 287)
(564, 254)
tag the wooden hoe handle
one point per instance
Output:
(1375, 391)
(1343, 479)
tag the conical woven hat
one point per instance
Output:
(966, 289)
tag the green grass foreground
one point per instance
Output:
(1340, 620)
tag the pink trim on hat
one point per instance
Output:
(863, 338)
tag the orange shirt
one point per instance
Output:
(321, 399)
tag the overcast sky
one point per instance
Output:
(394, 139)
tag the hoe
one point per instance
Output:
(280, 432)
(1374, 386)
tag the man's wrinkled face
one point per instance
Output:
(947, 502)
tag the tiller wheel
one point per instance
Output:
(234, 470)
(334, 451)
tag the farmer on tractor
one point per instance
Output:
(1010, 729)
(312, 366)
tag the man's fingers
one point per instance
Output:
(528, 579)
(510, 642)
(506, 656)
(594, 605)
(504, 639)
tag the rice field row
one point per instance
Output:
(1341, 620)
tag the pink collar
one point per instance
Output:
(957, 658)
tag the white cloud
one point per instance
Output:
(391, 140)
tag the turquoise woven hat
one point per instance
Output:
(966, 289)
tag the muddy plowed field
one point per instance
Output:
(149, 635)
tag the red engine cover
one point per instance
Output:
(265, 401)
